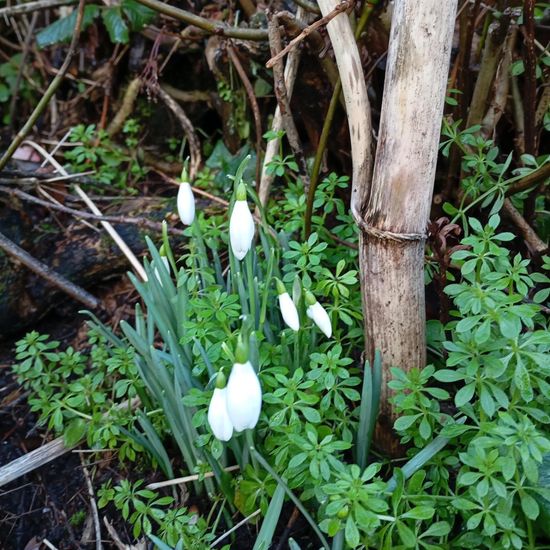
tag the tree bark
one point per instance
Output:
(395, 216)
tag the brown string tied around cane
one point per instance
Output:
(384, 235)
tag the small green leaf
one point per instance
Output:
(439, 529)
(137, 14)
(75, 432)
(352, 533)
(115, 24)
(465, 394)
(517, 68)
(529, 506)
(404, 422)
(419, 512)
(407, 536)
(62, 29)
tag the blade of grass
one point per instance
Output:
(265, 536)
(420, 458)
(365, 413)
(291, 495)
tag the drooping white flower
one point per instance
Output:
(244, 397)
(287, 307)
(186, 203)
(241, 225)
(317, 313)
(218, 418)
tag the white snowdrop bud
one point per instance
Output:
(241, 225)
(287, 307)
(317, 313)
(186, 203)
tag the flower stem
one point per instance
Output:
(250, 284)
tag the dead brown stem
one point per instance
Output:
(342, 6)
(530, 80)
(253, 105)
(142, 222)
(26, 48)
(188, 129)
(283, 102)
(27, 7)
(126, 108)
(533, 241)
(93, 504)
(541, 175)
(529, 96)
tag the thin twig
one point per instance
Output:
(308, 6)
(186, 479)
(542, 174)
(342, 6)
(42, 104)
(47, 543)
(212, 27)
(272, 147)
(533, 241)
(283, 101)
(91, 205)
(186, 96)
(188, 129)
(141, 545)
(93, 503)
(28, 7)
(38, 179)
(26, 48)
(235, 527)
(130, 220)
(48, 274)
(253, 105)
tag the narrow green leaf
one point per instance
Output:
(265, 536)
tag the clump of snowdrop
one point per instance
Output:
(244, 393)
(186, 200)
(241, 225)
(218, 417)
(317, 313)
(287, 307)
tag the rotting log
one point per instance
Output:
(78, 253)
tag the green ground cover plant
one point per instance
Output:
(475, 420)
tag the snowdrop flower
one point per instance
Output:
(244, 393)
(186, 202)
(218, 419)
(241, 225)
(317, 313)
(287, 307)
